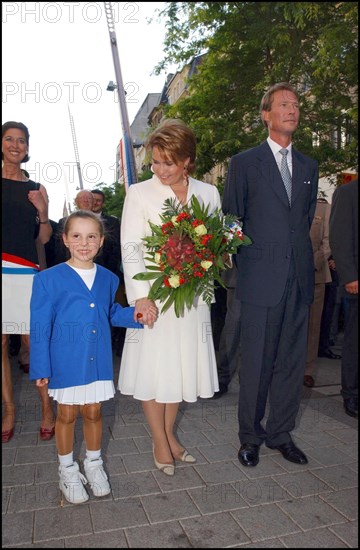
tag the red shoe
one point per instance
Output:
(47, 433)
(6, 435)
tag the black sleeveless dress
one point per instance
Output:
(20, 228)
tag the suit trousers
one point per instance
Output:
(316, 309)
(350, 351)
(229, 345)
(273, 355)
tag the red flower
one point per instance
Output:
(166, 227)
(179, 249)
(182, 216)
(205, 239)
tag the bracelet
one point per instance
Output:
(46, 221)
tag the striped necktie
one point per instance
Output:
(285, 173)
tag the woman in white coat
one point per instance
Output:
(174, 360)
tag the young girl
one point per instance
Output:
(72, 307)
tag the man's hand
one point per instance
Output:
(352, 288)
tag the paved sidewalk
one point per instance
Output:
(213, 503)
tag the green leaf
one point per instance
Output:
(156, 286)
(145, 276)
(168, 303)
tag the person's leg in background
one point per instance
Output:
(316, 309)
(350, 358)
(24, 355)
(8, 421)
(218, 313)
(229, 346)
(47, 427)
(326, 318)
(14, 344)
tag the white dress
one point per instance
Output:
(175, 360)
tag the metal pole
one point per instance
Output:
(76, 150)
(128, 146)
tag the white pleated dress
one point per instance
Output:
(175, 360)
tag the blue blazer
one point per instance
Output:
(70, 326)
(255, 192)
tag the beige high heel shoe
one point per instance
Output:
(186, 457)
(168, 469)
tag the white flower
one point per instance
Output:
(234, 229)
(157, 257)
(174, 281)
(174, 220)
(206, 264)
(200, 230)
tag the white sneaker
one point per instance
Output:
(97, 477)
(72, 483)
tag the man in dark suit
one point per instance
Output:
(344, 225)
(272, 188)
(110, 255)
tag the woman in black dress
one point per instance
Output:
(24, 219)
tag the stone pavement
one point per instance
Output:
(213, 503)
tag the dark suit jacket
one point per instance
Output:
(110, 254)
(255, 192)
(57, 250)
(344, 225)
(50, 246)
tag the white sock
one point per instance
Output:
(93, 455)
(66, 460)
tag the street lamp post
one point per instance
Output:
(131, 176)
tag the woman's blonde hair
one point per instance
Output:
(175, 141)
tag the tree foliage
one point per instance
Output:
(250, 45)
(114, 198)
(115, 195)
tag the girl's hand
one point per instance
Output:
(41, 382)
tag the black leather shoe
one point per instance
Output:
(291, 452)
(351, 406)
(329, 354)
(249, 454)
(222, 389)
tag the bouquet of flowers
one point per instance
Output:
(187, 253)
